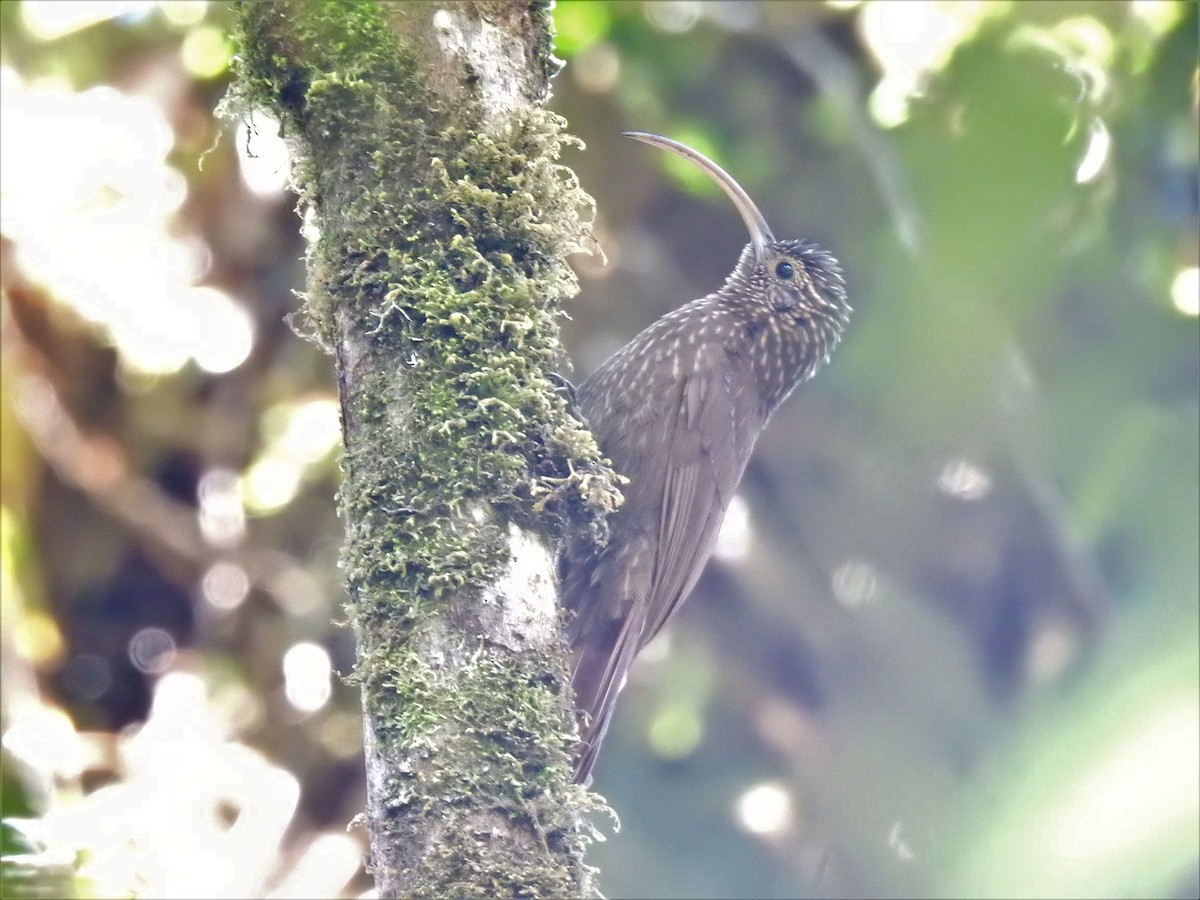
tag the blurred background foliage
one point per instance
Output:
(949, 643)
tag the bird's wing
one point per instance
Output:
(705, 459)
(625, 599)
(609, 595)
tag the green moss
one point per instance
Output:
(448, 243)
(522, 780)
(443, 242)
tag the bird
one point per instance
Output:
(677, 411)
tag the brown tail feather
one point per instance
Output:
(599, 674)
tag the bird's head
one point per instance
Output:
(798, 281)
(791, 282)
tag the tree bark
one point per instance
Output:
(422, 148)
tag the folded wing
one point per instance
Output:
(633, 589)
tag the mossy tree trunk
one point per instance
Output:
(424, 153)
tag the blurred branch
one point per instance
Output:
(428, 162)
(97, 463)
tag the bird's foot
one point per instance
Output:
(565, 388)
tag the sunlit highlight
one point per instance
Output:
(1096, 155)
(322, 871)
(1160, 15)
(187, 796)
(854, 582)
(736, 534)
(1151, 781)
(312, 429)
(911, 38)
(223, 332)
(1090, 36)
(225, 585)
(964, 480)
(764, 809)
(298, 436)
(307, 672)
(897, 843)
(1052, 646)
(263, 157)
(205, 52)
(32, 634)
(183, 13)
(44, 738)
(309, 229)
(1185, 291)
(271, 484)
(49, 20)
(91, 220)
(222, 517)
(673, 16)
(659, 648)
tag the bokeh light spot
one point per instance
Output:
(673, 16)
(222, 517)
(225, 585)
(1185, 291)
(675, 731)
(313, 429)
(152, 650)
(765, 808)
(87, 677)
(897, 843)
(205, 52)
(964, 480)
(271, 484)
(307, 672)
(737, 534)
(264, 159)
(854, 582)
(223, 332)
(184, 13)
(578, 24)
(598, 68)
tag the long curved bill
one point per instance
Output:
(760, 232)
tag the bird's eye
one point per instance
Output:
(785, 270)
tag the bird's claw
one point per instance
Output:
(565, 388)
